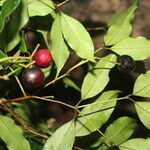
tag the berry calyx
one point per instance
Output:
(126, 64)
(42, 58)
(32, 78)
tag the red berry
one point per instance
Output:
(43, 58)
(32, 78)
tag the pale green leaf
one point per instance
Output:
(121, 27)
(142, 85)
(20, 15)
(97, 79)
(119, 131)
(94, 115)
(77, 37)
(143, 111)
(136, 144)
(62, 139)
(7, 8)
(12, 134)
(59, 48)
(69, 82)
(138, 48)
(40, 7)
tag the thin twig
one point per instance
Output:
(23, 123)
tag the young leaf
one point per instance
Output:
(142, 85)
(77, 37)
(94, 115)
(40, 7)
(12, 134)
(143, 112)
(136, 144)
(69, 82)
(119, 131)
(121, 28)
(7, 8)
(137, 48)
(62, 139)
(97, 79)
(20, 15)
(59, 48)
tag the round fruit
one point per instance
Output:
(32, 78)
(42, 58)
(126, 63)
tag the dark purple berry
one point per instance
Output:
(32, 78)
(42, 58)
(126, 64)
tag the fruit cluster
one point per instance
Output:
(34, 77)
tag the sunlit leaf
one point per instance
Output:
(119, 131)
(97, 79)
(142, 85)
(143, 112)
(138, 48)
(136, 144)
(12, 134)
(40, 7)
(94, 115)
(77, 37)
(120, 28)
(62, 139)
(59, 48)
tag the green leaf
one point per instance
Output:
(23, 47)
(77, 37)
(143, 112)
(69, 82)
(119, 131)
(142, 85)
(94, 115)
(63, 138)
(7, 8)
(12, 134)
(97, 79)
(136, 144)
(138, 48)
(59, 48)
(20, 15)
(40, 7)
(2, 55)
(120, 28)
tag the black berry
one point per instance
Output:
(32, 78)
(126, 64)
(43, 58)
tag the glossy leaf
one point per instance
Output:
(143, 112)
(136, 144)
(20, 15)
(7, 8)
(77, 37)
(94, 115)
(12, 134)
(62, 139)
(137, 48)
(121, 27)
(142, 85)
(119, 131)
(40, 7)
(97, 79)
(59, 48)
